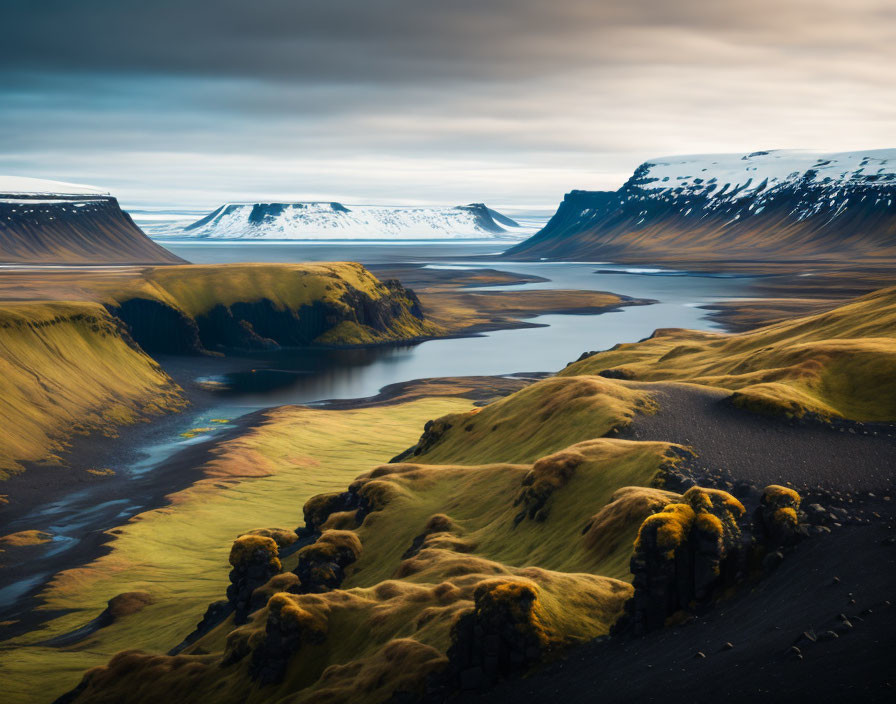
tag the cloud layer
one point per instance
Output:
(508, 101)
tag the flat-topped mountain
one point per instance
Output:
(329, 220)
(50, 222)
(778, 205)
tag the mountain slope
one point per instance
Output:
(774, 205)
(68, 368)
(319, 220)
(49, 222)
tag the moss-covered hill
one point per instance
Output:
(841, 363)
(69, 368)
(194, 307)
(72, 366)
(506, 534)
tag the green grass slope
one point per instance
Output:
(840, 363)
(66, 368)
(352, 296)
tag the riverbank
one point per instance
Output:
(126, 545)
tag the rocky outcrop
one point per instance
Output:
(322, 565)
(683, 554)
(255, 560)
(776, 518)
(503, 634)
(161, 328)
(694, 548)
(364, 495)
(433, 432)
(546, 476)
(287, 628)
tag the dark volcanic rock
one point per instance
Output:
(254, 560)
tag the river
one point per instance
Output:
(235, 386)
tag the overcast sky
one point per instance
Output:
(511, 102)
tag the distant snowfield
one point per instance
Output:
(325, 221)
(22, 185)
(744, 175)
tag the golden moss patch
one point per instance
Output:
(542, 418)
(249, 548)
(24, 538)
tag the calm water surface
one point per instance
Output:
(306, 377)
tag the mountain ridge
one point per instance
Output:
(772, 205)
(333, 220)
(50, 222)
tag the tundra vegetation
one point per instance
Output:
(503, 536)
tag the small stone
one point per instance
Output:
(836, 580)
(772, 561)
(727, 646)
(699, 655)
(796, 651)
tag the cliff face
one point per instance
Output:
(73, 229)
(762, 206)
(193, 309)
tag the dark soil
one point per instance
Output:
(762, 623)
(847, 575)
(763, 450)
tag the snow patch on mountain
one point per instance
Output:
(12, 186)
(332, 221)
(733, 175)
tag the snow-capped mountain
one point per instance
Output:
(324, 220)
(52, 222)
(769, 204)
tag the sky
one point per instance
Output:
(188, 104)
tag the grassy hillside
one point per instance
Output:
(66, 368)
(392, 621)
(545, 417)
(840, 363)
(503, 536)
(233, 305)
(71, 367)
(441, 537)
(178, 554)
(195, 289)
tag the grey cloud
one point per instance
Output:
(458, 100)
(400, 40)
